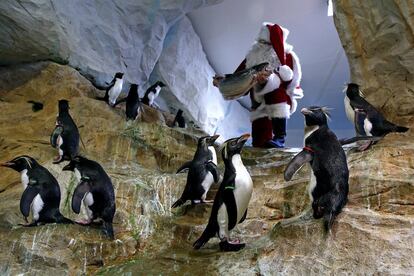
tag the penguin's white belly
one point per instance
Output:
(206, 184)
(243, 187)
(77, 175)
(312, 185)
(59, 142)
(88, 201)
(37, 206)
(213, 154)
(151, 98)
(350, 113)
(24, 178)
(367, 127)
(115, 91)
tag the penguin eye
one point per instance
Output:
(233, 143)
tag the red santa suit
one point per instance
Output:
(277, 97)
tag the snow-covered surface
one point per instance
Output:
(100, 37)
(184, 68)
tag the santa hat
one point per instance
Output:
(276, 36)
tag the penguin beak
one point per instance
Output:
(244, 138)
(214, 138)
(7, 164)
(305, 111)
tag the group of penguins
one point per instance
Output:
(328, 187)
(133, 102)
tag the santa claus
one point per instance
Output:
(274, 97)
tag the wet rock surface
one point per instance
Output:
(377, 37)
(373, 235)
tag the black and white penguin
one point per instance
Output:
(202, 172)
(41, 193)
(179, 120)
(328, 188)
(133, 104)
(65, 137)
(152, 93)
(232, 199)
(96, 192)
(367, 119)
(113, 90)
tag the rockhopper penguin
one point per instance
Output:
(95, 191)
(368, 121)
(232, 199)
(202, 172)
(113, 90)
(65, 137)
(41, 193)
(152, 93)
(328, 188)
(133, 104)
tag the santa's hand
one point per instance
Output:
(216, 80)
(262, 76)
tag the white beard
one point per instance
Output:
(260, 53)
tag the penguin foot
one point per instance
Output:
(28, 224)
(207, 201)
(58, 159)
(365, 146)
(83, 221)
(227, 246)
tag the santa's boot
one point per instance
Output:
(279, 133)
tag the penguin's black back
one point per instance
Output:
(70, 134)
(380, 125)
(329, 166)
(102, 190)
(49, 191)
(132, 103)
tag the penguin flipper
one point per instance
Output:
(212, 168)
(55, 134)
(79, 194)
(296, 163)
(359, 138)
(27, 198)
(230, 202)
(120, 101)
(360, 116)
(185, 166)
(243, 217)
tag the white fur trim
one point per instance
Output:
(294, 105)
(285, 73)
(297, 74)
(260, 53)
(259, 112)
(273, 82)
(264, 32)
(280, 110)
(296, 93)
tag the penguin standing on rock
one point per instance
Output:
(41, 193)
(329, 183)
(65, 137)
(95, 191)
(179, 120)
(152, 93)
(232, 199)
(202, 172)
(367, 119)
(113, 90)
(133, 104)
